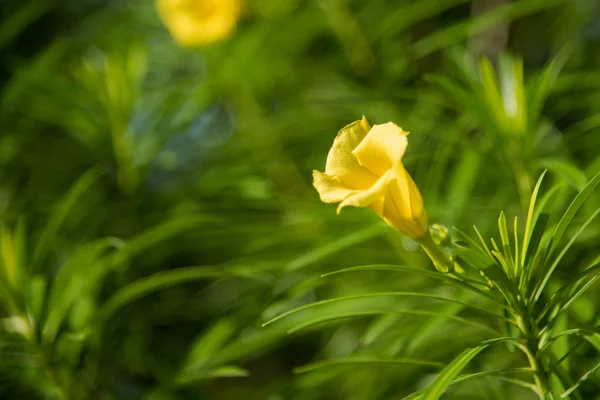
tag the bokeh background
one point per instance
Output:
(156, 201)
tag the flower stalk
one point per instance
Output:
(440, 259)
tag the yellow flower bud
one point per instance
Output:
(199, 22)
(364, 169)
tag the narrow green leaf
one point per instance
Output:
(59, 215)
(317, 321)
(536, 253)
(448, 374)
(530, 222)
(500, 15)
(494, 269)
(483, 248)
(23, 17)
(570, 301)
(435, 275)
(570, 173)
(227, 371)
(159, 281)
(513, 92)
(565, 293)
(580, 332)
(76, 276)
(209, 342)
(505, 239)
(335, 246)
(483, 243)
(384, 294)
(410, 14)
(570, 213)
(559, 257)
(538, 89)
(566, 356)
(352, 361)
(36, 296)
(516, 239)
(164, 231)
(418, 395)
(491, 91)
(205, 346)
(583, 378)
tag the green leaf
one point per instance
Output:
(204, 347)
(583, 378)
(570, 213)
(495, 270)
(60, 214)
(539, 88)
(513, 93)
(506, 246)
(447, 375)
(491, 91)
(328, 318)
(36, 296)
(569, 290)
(431, 274)
(586, 334)
(536, 253)
(530, 222)
(77, 276)
(446, 37)
(354, 360)
(567, 171)
(418, 395)
(410, 14)
(164, 231)
(375, 295)
(23, 17)
(335, 246)
(227, 371)
(559, 257)
(160, 281)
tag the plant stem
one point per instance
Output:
(442, 262)
(529, 332)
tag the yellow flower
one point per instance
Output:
(199, 22)
(364, 169)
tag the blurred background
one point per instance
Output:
(156, 199)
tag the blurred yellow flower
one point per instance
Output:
(364, 169)
(199, 22)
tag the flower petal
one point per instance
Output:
(330, 189)
(403, 207)
(372, 197)
(382, 148)
(342, 164)
(194, 23)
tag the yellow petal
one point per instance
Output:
(382, 148)
(403, 207)
(199, 22)
(330, 189)
(372, 197)
(342, 164)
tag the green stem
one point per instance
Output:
(529, 331)
(441, 260)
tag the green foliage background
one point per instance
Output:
(156, 203)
